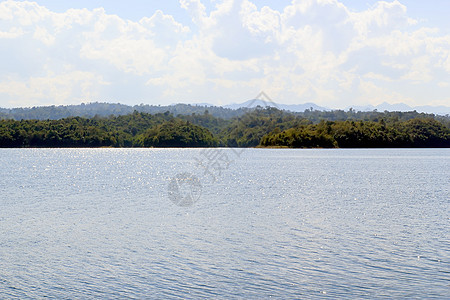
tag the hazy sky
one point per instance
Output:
(335, 53)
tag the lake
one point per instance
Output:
(225, 223)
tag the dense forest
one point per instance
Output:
(263, 127)
(97, 109)
(350, 134)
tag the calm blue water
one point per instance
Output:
(98, 223)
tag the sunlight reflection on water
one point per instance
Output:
(366, 223)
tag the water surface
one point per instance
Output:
(97, 223)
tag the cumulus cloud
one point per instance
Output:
(53, 88)
(312, 50)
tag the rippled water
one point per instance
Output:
(98, 223)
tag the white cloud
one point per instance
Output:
(130, 56)
(373, 94)
(13, 33)
(313, 50)
(71, 87)
(382, 18)
(44, 36)
(197, 10)
(378, 77)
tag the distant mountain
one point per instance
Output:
(438, 110)
(291, 107)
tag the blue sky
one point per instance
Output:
(336, 53)
(435, 12)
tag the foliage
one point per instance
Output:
(362, 134)
(267, 127)
(176, 133)
(247, 131)
(121, 131)
(91, 110)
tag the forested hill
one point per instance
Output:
(91, 110)
(264, 127)
(97, 109)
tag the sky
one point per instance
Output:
(335, 53)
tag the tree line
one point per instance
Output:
(263, 127)
(413, 133)
(101, 109)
